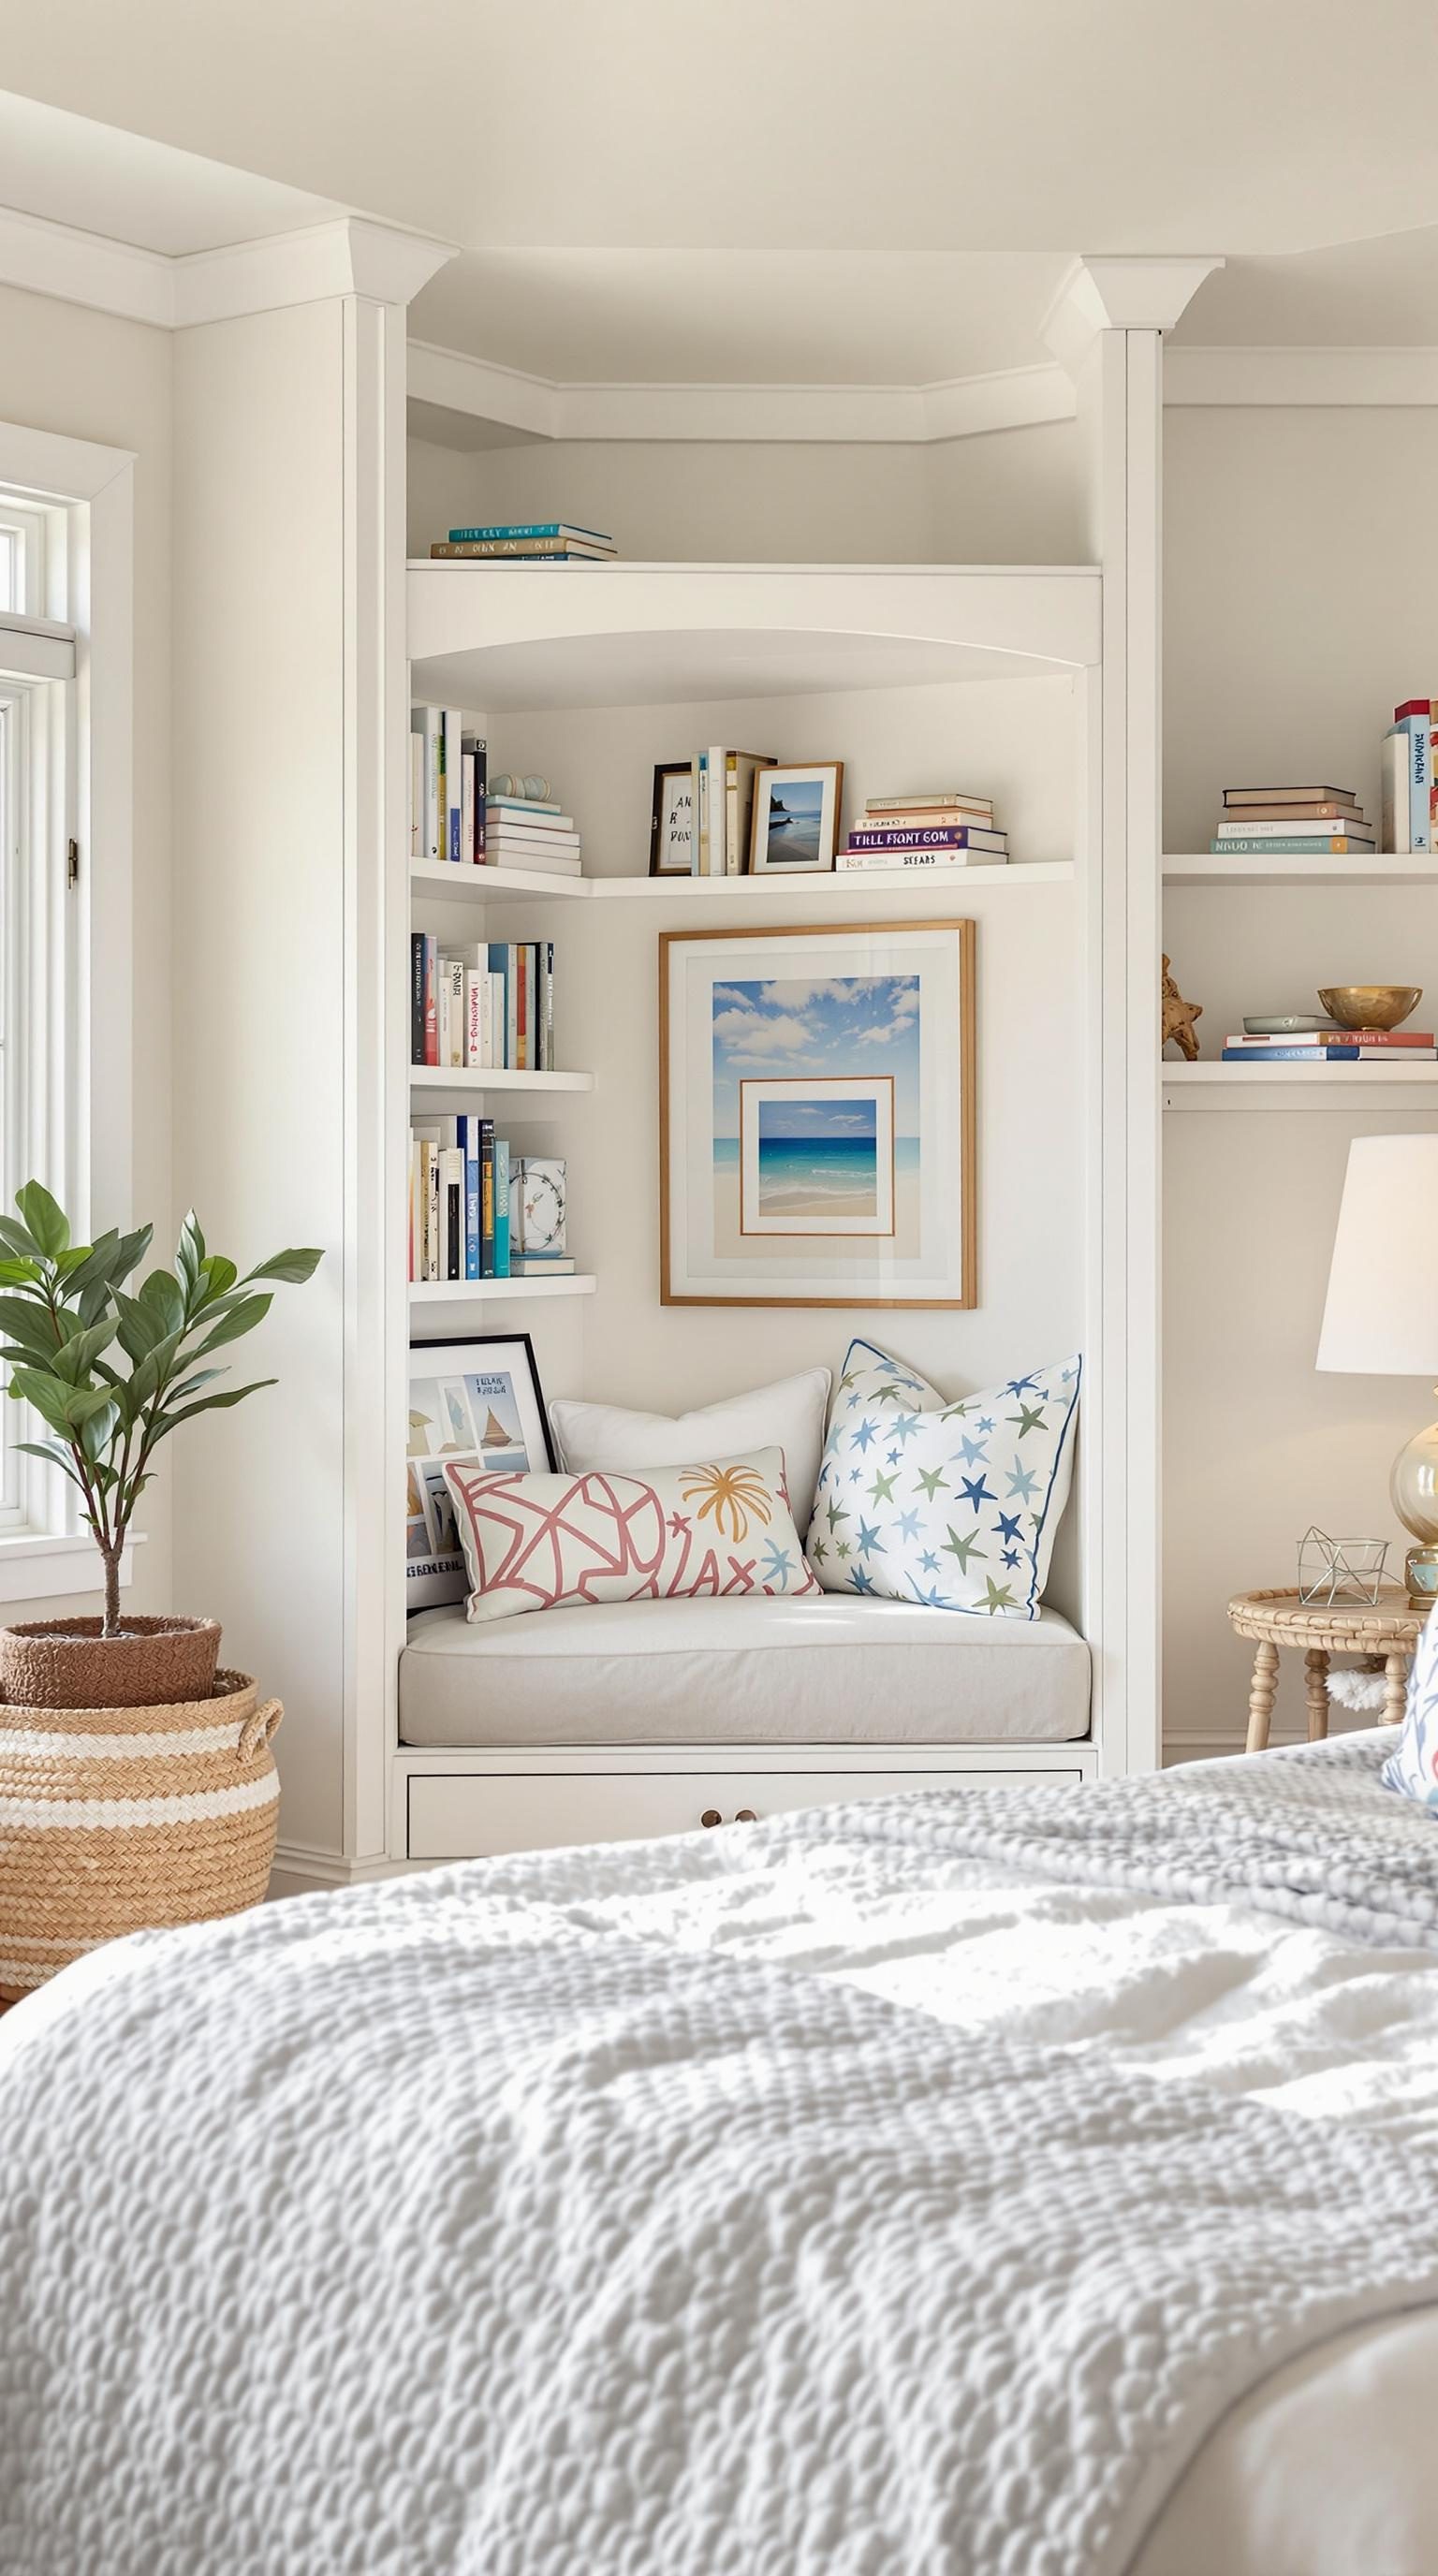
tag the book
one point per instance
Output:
(416, 997)
(1325, 810)
(1255, 830)
(416, 793)
(521, 550)
(1295, 844)
(935, 796)
(429, 728)
(942, 836)
(1395, 814)
(1290, 1055)
(508, 815)
(877, 816)
(1417, 731)
(541, 1265)
(546, 1006)
(501, 1208)
(542, 862)
(510, 833)
(469, 1146)
(475, 748)
(451, 1011)
(1290, 796)
(451, 833)
(1378, 1039)
(486, 1198)
(530, 528)
(524, 805)
(894, 860)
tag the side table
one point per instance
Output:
(1384, 1633)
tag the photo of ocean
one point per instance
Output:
(816, 1115)
(795, 813)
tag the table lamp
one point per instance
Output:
(1381, 1315)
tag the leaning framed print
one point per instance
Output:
(816, 1116)
(476, 1399)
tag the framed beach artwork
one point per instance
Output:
(816, 1116)
(477, 1398)
(795, 826)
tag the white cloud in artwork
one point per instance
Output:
(750, 1039)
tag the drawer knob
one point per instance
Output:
(711, 1816)
(745, 1816)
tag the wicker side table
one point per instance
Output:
(1384, 1634)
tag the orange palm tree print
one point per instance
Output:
(729, 1496)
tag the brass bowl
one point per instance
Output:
(1370, 1006)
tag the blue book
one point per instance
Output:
(469, 1146)
(537, 528)
(501, 1207)
(1295, 1054)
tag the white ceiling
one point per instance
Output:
(763, 191)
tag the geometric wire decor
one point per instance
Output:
(1339, 1569)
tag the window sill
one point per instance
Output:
(40, 1566)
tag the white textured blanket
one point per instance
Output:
(445, 2227)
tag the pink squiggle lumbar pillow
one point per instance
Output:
(668, 1534)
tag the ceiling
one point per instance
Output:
(764, 191)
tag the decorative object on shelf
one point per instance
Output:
(167, 1817)
(1332, 1044)
(712, 1530)
(671, 820)
(913, 833)
(1381, 1314)
(1385, 1634)
(1289, 1024)
(723, 792)
(1371, 1006)
(104, 1422)
(529, 790)
(476, 1400)
(539, 1198)
(796, 817)
(955, 1505)
(803, 1160)
(1303, 821)
(1178, 1018)
(1339, 1569)
(530, 832)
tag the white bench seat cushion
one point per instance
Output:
(832, 1670)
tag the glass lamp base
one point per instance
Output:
(1420, 1568)
(1413, 1490)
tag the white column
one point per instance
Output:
(291, 728)
(1106, 328)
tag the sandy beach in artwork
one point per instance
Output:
(901, 1245)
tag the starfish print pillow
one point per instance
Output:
(955, 1505)
(660, 1534)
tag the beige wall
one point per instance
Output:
(1010, 497)
(1301, 564)
(88, 375)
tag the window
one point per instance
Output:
(40, 1043)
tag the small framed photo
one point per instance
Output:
(796, 819)
(671, 822)
(477, 1400)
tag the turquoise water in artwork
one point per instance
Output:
(818, 1159)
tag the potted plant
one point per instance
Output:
(111, 1374)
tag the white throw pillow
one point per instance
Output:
(955, 1504)
(656, 1534)
(789, 1415)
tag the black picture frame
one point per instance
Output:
(444, 1388)
(664, 770)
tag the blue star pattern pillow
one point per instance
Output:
(956, 1505)
(1412, 1766)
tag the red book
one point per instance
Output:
(1320, 1038)
(1416, 707)
(521, 1012)
(431, 1001)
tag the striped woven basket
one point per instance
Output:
(114, 1820)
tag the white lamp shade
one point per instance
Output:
(1381, 1316)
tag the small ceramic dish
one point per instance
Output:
(1370, 1006)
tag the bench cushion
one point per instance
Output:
(831, 1670)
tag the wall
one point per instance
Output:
(89, 375)
(1299, 579)
(1009, 497)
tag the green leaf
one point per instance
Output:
(191, 1386)
(218, 1276)
(163, 1295)
(18, 1274)
(31, 1326)
(214, 1403)
(295, 1266)
(55, 1456)
(130, 1252)
(47, 1222)
(97, 1431)
(92, 1268)
(70, 1261)
(82, 1350)
(190, 1250)
(241, 1318)
(140, 1325)
(19, 1238)
(48, 1396)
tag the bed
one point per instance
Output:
(1017, 2183)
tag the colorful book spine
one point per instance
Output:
(1416, 722)
(429, 726)
(453, 786)
(893, 860)
(431, 1001)
(925, 836)
(501, 1207)
(975, 805)
(486, 1198)
(499, 965)
(520, 550)
(477, 749)
(1296, 844)
(1368, 1041)
(1318, 827)
(531, 528)
(546, 1008)
(469, 1138)
(1291, 1055)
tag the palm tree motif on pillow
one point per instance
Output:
(730, 1497)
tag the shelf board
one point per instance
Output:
(514, 638)
(1212, 1086)
(830, 885)
(1290, 867)
(456, 1077)
(469, 884)
(463, 1292)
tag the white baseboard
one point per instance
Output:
(301, 1871)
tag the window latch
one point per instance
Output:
(72, 863)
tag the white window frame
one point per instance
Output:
(65, 662)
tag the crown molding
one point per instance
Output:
(1119, 293)
(891, 415)
(1340, 378)
(348, 256)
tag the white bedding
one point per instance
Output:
(1327, 2468)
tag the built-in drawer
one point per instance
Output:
(464, 1816)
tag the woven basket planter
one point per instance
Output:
(67, 1663)
(117, 1820)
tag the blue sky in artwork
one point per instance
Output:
(824, 1116)
(801, 797)
(860, 1025)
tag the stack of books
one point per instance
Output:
(1324, 1042)
(467, 1205)
(1266, 822)
(448, 777)
(723, 818)
(531, 832)
(539, 541)
(929, 829)
(490, 1005)
(1410, 802)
